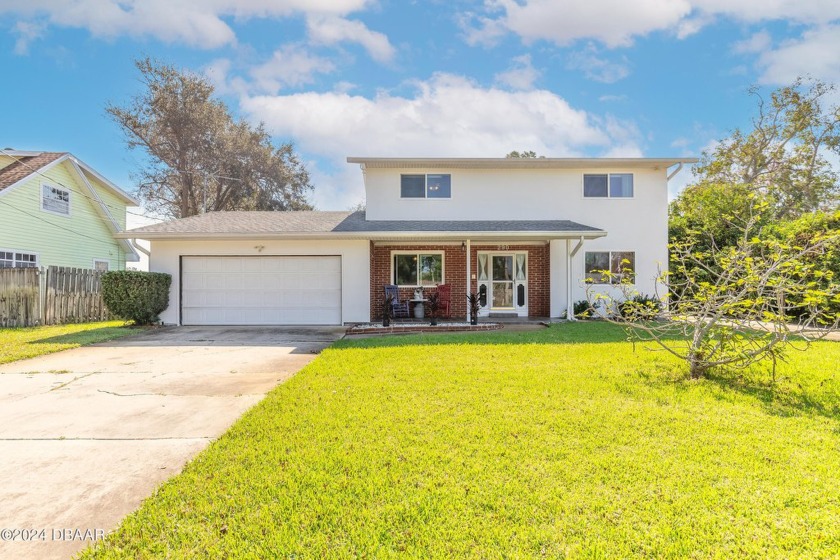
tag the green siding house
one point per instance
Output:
(57, 210)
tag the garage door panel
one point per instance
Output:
(261, 290)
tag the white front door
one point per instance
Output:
(503, 282)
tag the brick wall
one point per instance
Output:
(455, 273)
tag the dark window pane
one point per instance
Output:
(623, 265)
(595, 185)
(405, 270)
(621, 185)
(431, 270)
(595, 263)
(412, 186)
(440, 186)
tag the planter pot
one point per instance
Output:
(474, 321)
(386, 322)
(434, 322)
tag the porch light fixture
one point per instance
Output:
(463, 245)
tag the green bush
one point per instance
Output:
(640, 308)
(136, 296)
(583, 309)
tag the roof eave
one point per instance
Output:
(372, 235)
(517, 163)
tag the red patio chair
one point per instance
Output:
(445, 292)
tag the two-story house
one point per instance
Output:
(57, 210)
(525, 233)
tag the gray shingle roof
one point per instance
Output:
(315, 222)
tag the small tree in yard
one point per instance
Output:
(733, 306)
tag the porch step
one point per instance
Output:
(504, 315)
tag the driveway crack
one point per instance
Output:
(66, 383)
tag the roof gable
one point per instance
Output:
(25, 166)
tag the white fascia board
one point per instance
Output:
(118, 191)
(373, 236)
(105, 214)
(515, 163)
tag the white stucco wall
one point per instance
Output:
(355, 266)
(638, 224)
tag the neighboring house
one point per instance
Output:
(57, 210)
(533, 229)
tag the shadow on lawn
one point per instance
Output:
(82, 337)
(781, 398)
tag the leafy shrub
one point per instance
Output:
(583, 309)
(136, 296)
(639, 308)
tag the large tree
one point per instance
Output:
(199, 157)
(785, 155)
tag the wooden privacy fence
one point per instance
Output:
(20, 297)
(32, 296)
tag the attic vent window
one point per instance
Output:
(55, 200)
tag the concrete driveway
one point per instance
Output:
(87, 434)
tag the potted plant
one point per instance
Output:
(387, 310)
(433, 306)
(474, 303)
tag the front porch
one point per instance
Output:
(512, 278)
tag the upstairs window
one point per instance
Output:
(612, 185)
(55, 200)
(15, 259)
(610, 267)
(432, 185)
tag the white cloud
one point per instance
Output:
(612, 22)
(609, 98)
(445, 116)
(598, 68)
(756, 43)
(616, 23)
(197, 23)
(26, 31)
(329, 30)
(291, 66)
(521, 74)
(814, 54)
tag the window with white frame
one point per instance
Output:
(417, 269)
(430, 185)
(610, 267)
(17, 259)
(55, 200)
(608, 185)
(100, 264)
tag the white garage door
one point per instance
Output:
(261, 290)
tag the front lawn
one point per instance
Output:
(19, 344)
(559, 443)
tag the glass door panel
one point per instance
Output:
(502, 266)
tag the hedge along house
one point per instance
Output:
(525, 233)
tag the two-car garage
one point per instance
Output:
(261, 290)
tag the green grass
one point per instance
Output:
(562, 443)
(19, 344)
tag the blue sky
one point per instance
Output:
(384, 78)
